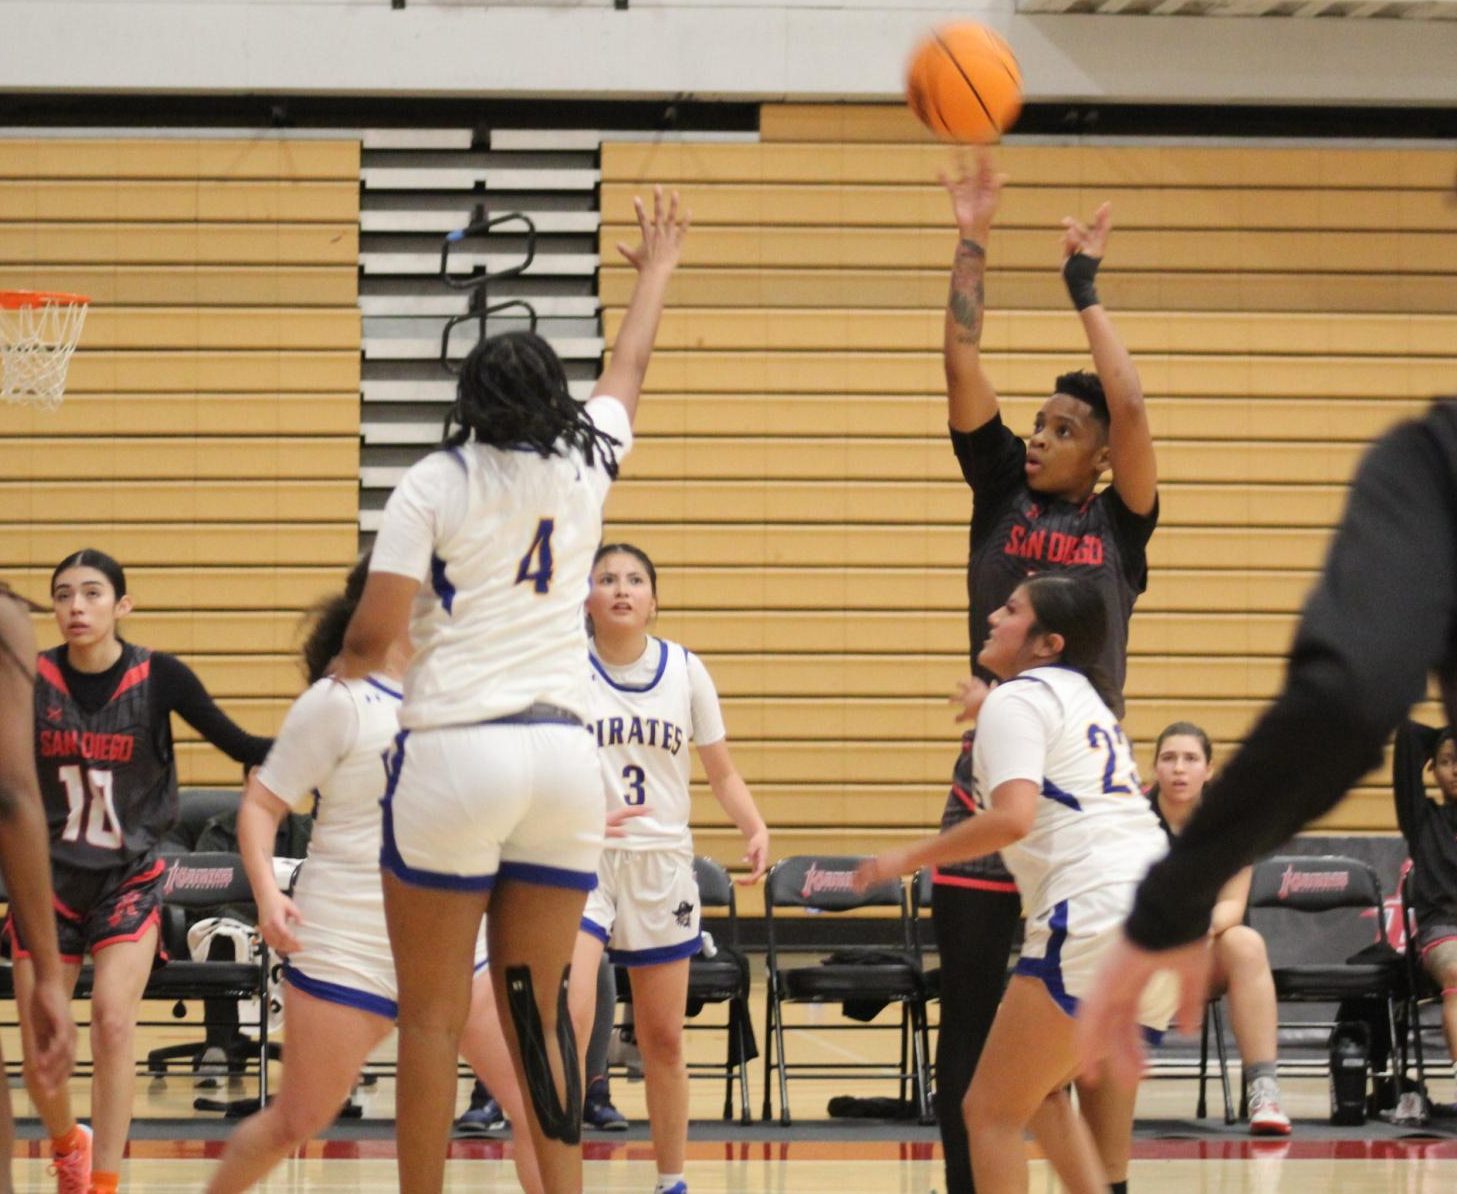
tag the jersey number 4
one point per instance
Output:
(536, 564)
(88, 800)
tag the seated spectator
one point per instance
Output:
(1428, 820)
(1182, 759)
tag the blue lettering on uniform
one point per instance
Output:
(614, 732)
(634, 731)
(652, 731)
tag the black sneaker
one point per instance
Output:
(480, 1121)
(598, 1111)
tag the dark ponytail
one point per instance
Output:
(512, 393)
(329, 619)
(1071, 607)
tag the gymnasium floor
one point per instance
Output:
(173, 1146)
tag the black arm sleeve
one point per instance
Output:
(1377, 623)
(1414, 743)
(178, 690)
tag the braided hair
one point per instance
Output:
(513, 393)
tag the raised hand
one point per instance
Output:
(969, 696)
(976, 192)
(1089, 239)
(662, 233)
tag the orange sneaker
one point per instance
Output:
(73, 1168)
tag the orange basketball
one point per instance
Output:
(964, 84)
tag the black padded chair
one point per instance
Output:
(724, 979)
(199, 884)
(1338, 952)
(864, 979)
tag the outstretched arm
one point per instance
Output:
(733, 794)
(975, 192)
(655, 258)
(1130, 442)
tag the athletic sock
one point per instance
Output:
(73, 1139)
(666, 1181)
(104, 1183)
(1257, 1070)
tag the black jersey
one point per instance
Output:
(107, 777)
(1016, 533)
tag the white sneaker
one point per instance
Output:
(1266, 1118)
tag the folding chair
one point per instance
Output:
(882, 975)
(1421, 991)
(724, 978)
(1339, 950)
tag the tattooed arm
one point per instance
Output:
(975, 192)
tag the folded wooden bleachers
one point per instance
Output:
(210, 433)
(1285, 304)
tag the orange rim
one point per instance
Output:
(14, 300)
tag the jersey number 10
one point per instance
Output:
(88, 799)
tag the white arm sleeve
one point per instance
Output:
(703, 705)
(422, 512)
(1013, 731)
(317, 733)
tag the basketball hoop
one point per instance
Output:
(38, 334)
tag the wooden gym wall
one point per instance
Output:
(793, 478)
(209, 437)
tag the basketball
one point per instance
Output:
(964, 84)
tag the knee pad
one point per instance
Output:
(557, 1122)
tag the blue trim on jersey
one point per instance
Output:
(458, 454)
(389, 853)
(1048, 968)
(593, 929)
(548, 876)
(443, 588)
(384, 688)
(658, 955)
(365, 1001)
(1053, 792)
(649, 686)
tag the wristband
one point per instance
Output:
(1079, 272)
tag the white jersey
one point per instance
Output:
(501, 540)
(1093, 826)
(643, 717)
(330, 756)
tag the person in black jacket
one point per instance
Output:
(1381, 619)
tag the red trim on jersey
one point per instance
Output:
(133, 677)
(153, 872)
(19, 951)
(1426, 949)
(63, 910)
(153, 918)
(46, 669)
(964, 796)
(945, 880)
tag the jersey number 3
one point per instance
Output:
(88, 799)
(536, 564)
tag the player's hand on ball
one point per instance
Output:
(662, 233)
(969, 696)
(976, 192)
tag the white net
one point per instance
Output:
(38, 334)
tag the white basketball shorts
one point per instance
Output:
(466, 804)
(1065, 944)
(645, 907)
